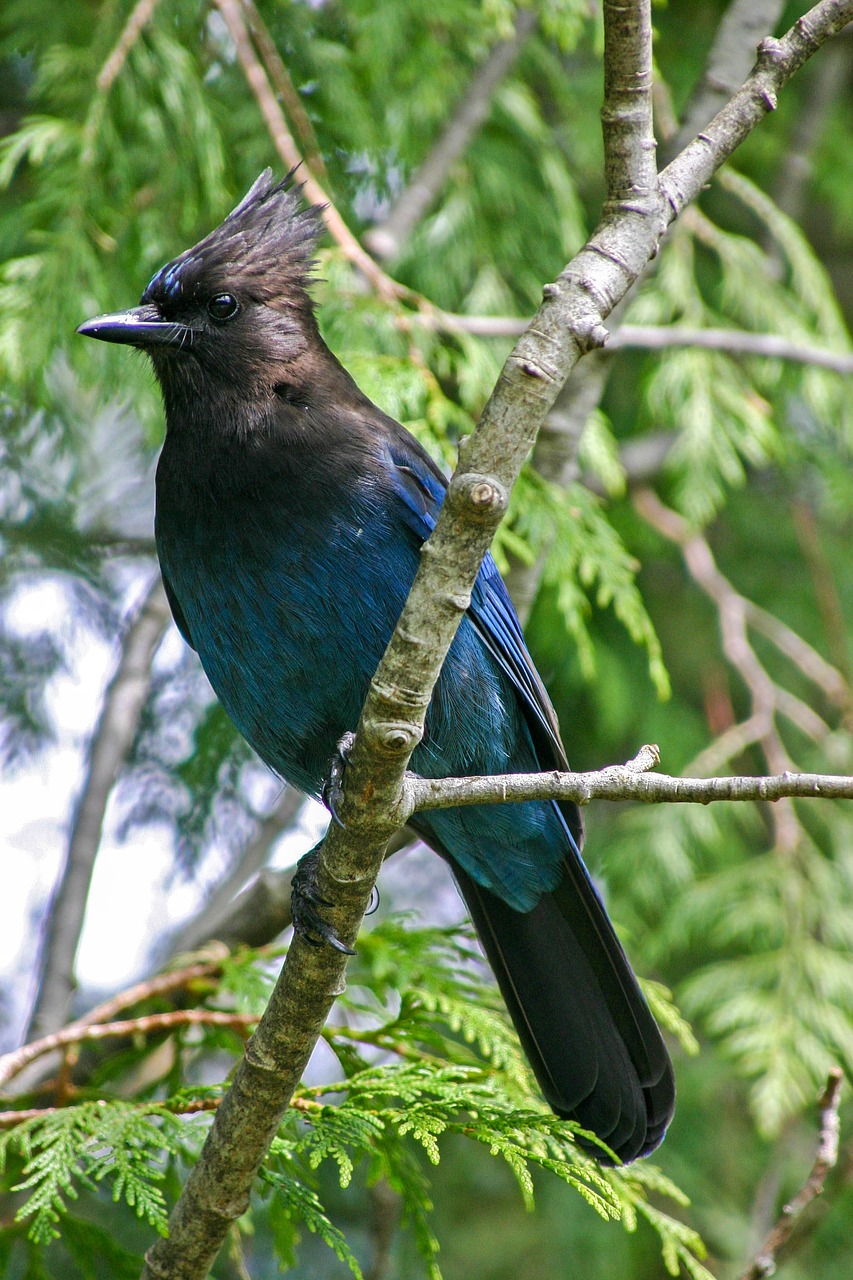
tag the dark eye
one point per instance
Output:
(223, 306)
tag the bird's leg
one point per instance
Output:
(333, 787)
(305, 901)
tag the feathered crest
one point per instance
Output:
(265, 247)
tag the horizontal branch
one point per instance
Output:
(146, 1024)
(620, 782)
(659, 337)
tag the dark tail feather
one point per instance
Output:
(594, 1046)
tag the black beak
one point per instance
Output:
(138, 327)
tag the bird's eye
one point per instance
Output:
(223, 306)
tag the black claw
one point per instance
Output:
(373, 904)
(332, 792)
(304, 903)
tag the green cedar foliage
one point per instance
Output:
(438, 1060)
(100, 188)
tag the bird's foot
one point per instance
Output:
(333, 787)
(305, 904)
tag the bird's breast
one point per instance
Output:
(290, 608)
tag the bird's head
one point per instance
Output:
(235, 307)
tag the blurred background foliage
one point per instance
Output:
(680, 541)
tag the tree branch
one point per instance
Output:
(764, 1263)
(13, 1063)
(653, 337)
(569, 322)
(778, 60)
(112, 740)
(215, 912)
(282, 139)
(285, 88)
(737, 342)
(388, 238)
(145, 1024)
(139, 18)
(620, 782)
(741, 27)
(630, 171)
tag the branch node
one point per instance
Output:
(485, 495)
(771, 49)
(399, 737)
(648, 757)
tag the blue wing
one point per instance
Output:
(420, 485)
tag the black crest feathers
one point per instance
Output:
(265, 247)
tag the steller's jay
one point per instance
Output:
(290, 517)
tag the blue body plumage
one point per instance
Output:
(290, 516)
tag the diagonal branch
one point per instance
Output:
(764, 1264)
(113, 738)
(569, 322)
(778, 60)
(741, 27)
(388, 238)
(285, 88)
(234, 18)
(139, 18)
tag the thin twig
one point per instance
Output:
(764, 1263)
(651, 337)
(768, 699)
(79, 1033)
(736, 342)
(282, 139)
(112, 740)
(285, 89)
(11, 1064)
(617, 782)
(388, 238)
(161, 984)
(139, 18)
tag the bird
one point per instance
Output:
(290, 515)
